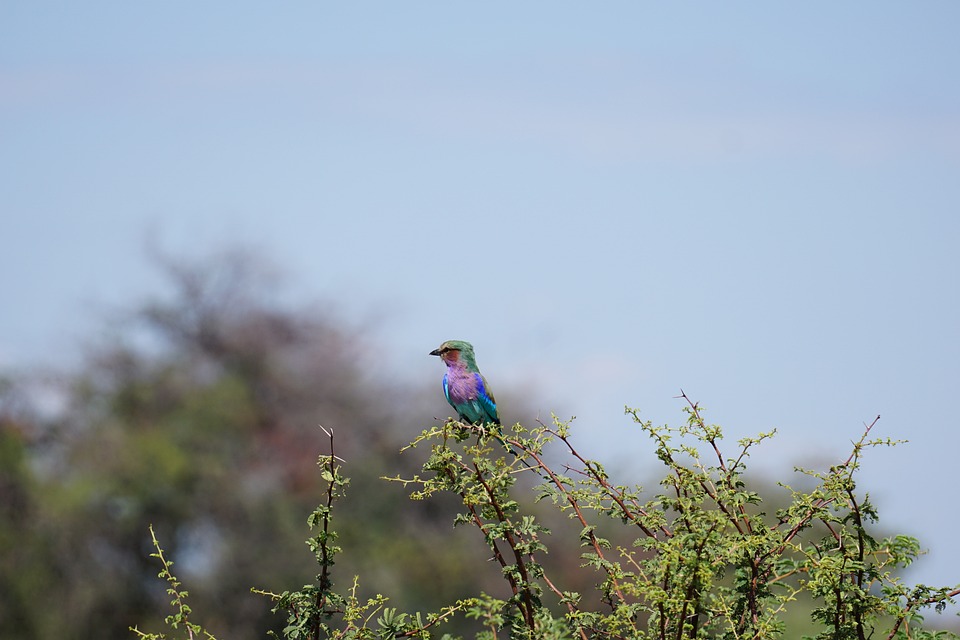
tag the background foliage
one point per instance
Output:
(197, 412)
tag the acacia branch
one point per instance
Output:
(583, 521)
(611, 492)
(528, 608)
(919, 603)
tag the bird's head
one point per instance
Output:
(453, 351)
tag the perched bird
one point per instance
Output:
(463, 385)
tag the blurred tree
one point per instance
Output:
(199, 415)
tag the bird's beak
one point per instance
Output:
(435, 352)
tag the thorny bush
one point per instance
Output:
(707, 560)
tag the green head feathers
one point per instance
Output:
(453, 351)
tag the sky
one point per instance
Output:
(756, 204)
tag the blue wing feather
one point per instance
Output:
(446, 389)
(487, 403)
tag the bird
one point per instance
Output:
(464, 386)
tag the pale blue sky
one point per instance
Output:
(758, 204)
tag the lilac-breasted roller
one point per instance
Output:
(463, 385)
